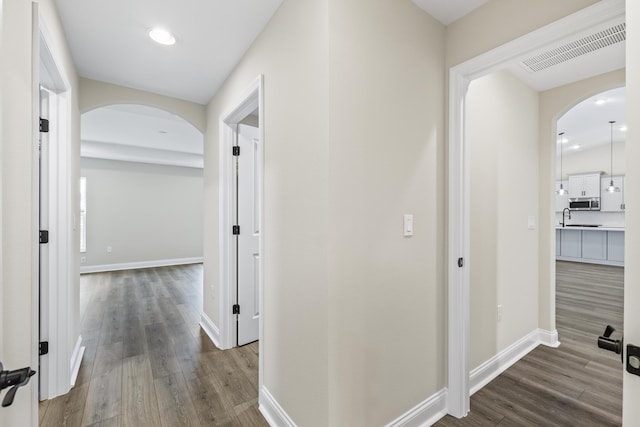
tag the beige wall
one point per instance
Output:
(387, 294)
(292, 54)
(19, 238)
(143, 212)
(95, 94)
(596, 159)
(631, 409)
(504, 252)
(495, 23)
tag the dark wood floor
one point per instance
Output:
(576, 384)
(147, 363)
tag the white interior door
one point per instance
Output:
(43, 369)
(248, 218)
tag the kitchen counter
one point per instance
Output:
(559, 227)
(597, 245)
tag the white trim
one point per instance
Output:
(458, 221)
(272, 411)
(489, 370)
(140, 264)
(426, 413)
(210, 329)
(76, 360)
(55, 319)
(251, 99)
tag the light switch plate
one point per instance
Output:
(408, 225)
(531, 222)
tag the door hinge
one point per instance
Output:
(460, 262)
(44, 236)
(236, 150)
(44, 348)
(236, 309)
(236, 230)
(44, 125)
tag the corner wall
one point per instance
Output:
(292, 54)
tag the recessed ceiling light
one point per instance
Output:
(601, 101)
(575, 147)
(623, 128)
(163, 131)
(161, 36)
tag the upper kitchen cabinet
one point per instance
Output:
(562, 200)
(587, 185)
(612, 202)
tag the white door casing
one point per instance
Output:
(458, 384)
(248, 217)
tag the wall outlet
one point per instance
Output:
(500, 313)
(109, 248)
(83, 259)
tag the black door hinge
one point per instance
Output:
(44, 125)
(44, 348)
(236, 150)
(236, 230)
(460, 262)
(44, 236)
(236, 309)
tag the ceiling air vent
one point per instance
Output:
(567, 52)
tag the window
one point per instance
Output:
(83, 214)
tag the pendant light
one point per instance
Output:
(561, 191)
(612, 188)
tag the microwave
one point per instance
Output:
(592, 204)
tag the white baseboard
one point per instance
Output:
(549, 338)
(210, 329)
(76, 360)
(272, 411)
(136, 265)
(424, 414)
(483, 374)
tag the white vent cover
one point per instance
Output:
(567, 52)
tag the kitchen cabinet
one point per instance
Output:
(562, 201)
(586, 244)
(612, 202)
(615, 246)
(594, 244)
(571, 243)
(586, 185)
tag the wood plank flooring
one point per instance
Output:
(576, 384)
(147, 362)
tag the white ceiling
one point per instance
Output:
(447, 11)
(109, 41)
(142, 134)
(587, 124)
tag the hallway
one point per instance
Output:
(147, 363)
(576, 384)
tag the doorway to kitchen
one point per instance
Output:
(589, 241)
(510, 58)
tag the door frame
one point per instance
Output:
(251, 99)
(460, 76)
(63, 360)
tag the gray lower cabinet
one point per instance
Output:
(615, 246)
(593, 246)
(571, 243)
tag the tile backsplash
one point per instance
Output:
(606, 219)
